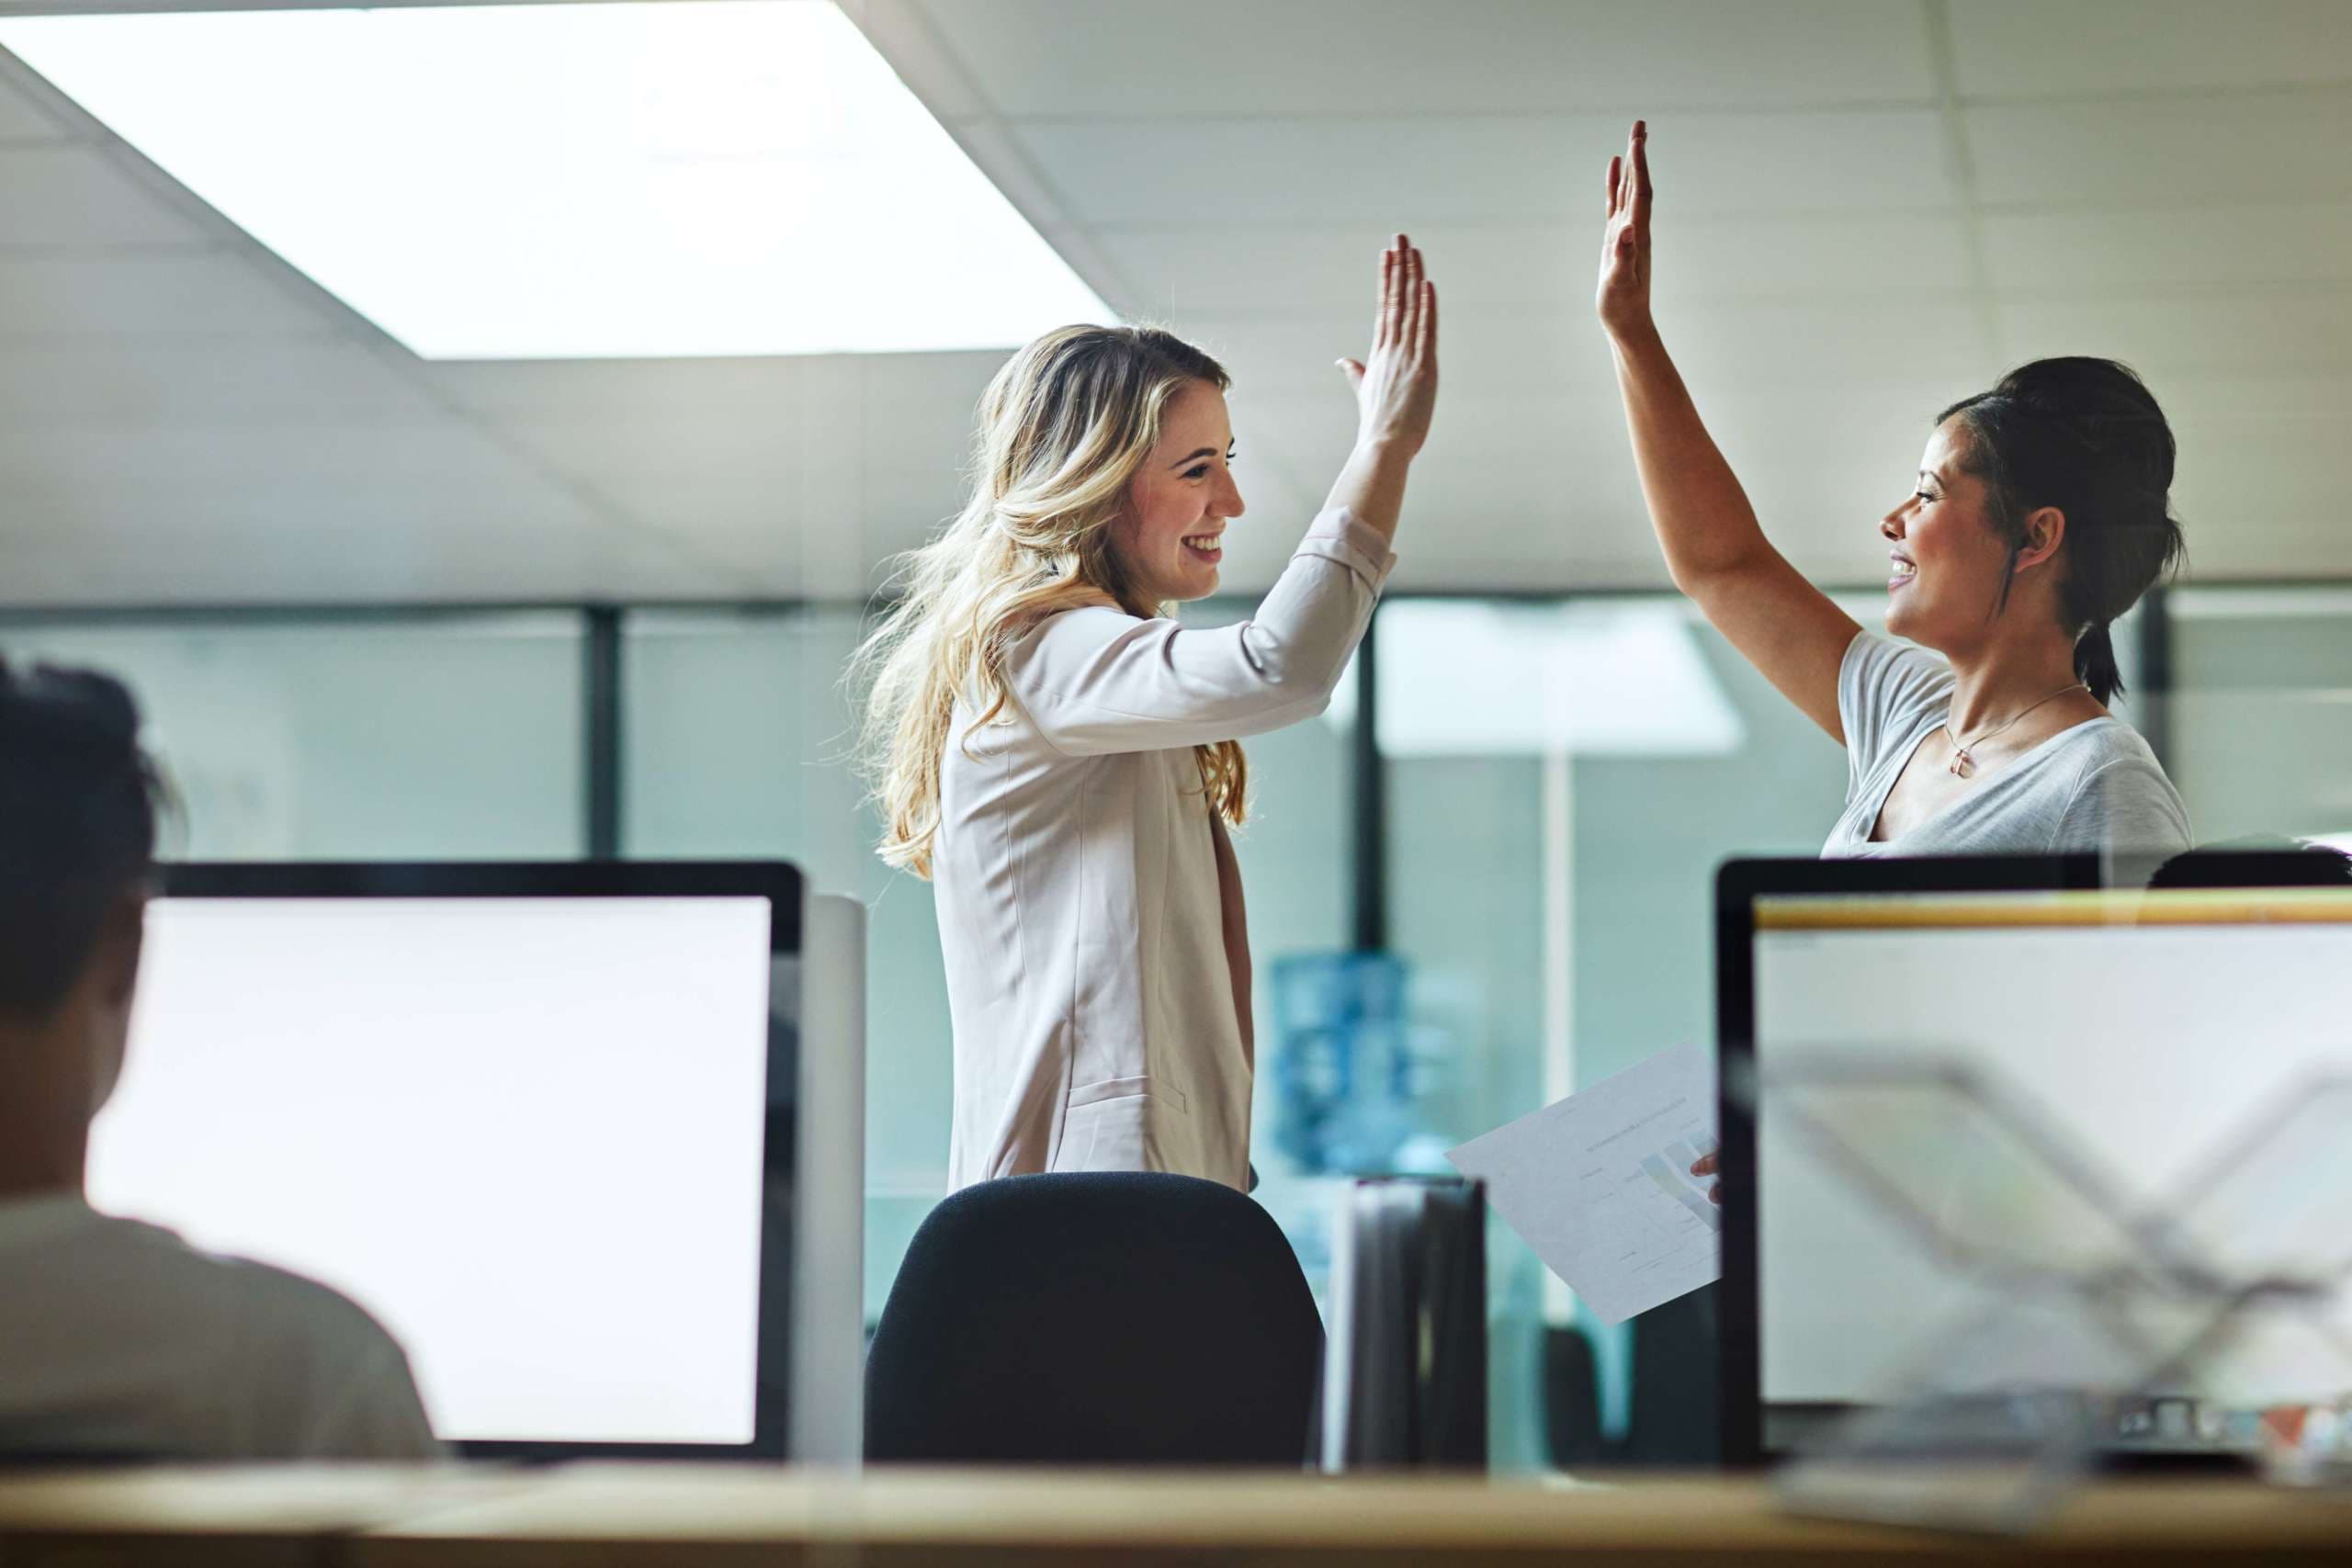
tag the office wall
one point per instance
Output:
(736, 733)
(2261, 715)
(357, 736)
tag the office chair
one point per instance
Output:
(28, 1455)
(1572, 1433)
(1676, 1397)
(1122, 1317)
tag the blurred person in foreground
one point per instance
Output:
(118, 1339)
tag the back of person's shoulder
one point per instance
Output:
(299, 1315)
(212, 1355)
(307, 1310)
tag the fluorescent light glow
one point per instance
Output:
(629, 180)
(1605, 679)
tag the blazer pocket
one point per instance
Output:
(1129, 1088)
(1112, 1126)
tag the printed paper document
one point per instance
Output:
(1600, 1183)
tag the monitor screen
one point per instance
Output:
(526, 1132)
(2144, 1029)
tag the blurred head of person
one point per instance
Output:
(77, 847)
(1101, 476)
(2041, 504)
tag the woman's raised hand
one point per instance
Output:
(1623, 298)
(1396, 384)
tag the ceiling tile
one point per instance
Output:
(163, 293)
(397, 488)
(1548, 267)
(248, 557)
(280, 384)
(2086, 46)
(559, 389)
(22, 117)
(1814, 279)
(1484, 169)
(903, 34)
(438, 460)
(1218, 57)
(76, 196)
(2242, 247)
(1727, 349)
(2188, 336)
(752, 445)
(925, 378)
(2188, 150)
(1499, 350)
(2236, 466)
(2312, 394)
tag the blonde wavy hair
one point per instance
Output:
(1063, 428)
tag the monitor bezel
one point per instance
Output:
(780, 883)
(1738, 883)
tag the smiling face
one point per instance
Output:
(1170, 538)
(1948, 557)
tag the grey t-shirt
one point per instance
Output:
(2094, 787)
(120, 1337)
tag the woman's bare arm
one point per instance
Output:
(1715, 550)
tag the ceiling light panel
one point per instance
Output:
(691, 178)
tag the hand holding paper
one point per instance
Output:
(1599, 1184)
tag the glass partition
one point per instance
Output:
(442, 736)
(2260, 718)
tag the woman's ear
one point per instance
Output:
(2045, 530)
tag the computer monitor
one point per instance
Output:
(2138, 1028)
(562, 1128)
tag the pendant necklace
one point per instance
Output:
(1964, 765)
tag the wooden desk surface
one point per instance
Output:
(262, 1514)
(590, 1515)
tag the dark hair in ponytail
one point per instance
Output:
(77, 826)
(2084, 436)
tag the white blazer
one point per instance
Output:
(1077, 881)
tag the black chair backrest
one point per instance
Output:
(1118, 1317)
(25, 1457)
(1675, 1418)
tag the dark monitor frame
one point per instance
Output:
(1738, 884)
(776, 881)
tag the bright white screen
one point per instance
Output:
(2152, 1044)
(524, 1133)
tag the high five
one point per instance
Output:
(2039, 514)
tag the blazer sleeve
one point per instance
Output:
(1097, 680)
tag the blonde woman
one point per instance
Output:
(1060, 756)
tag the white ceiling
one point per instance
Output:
(1867, 208)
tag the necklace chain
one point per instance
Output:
(1963, 764)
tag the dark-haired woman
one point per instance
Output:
(2040, 515)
